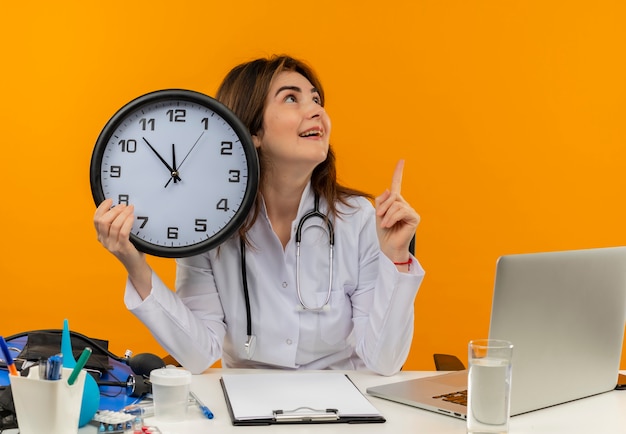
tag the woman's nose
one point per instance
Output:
(314, 110)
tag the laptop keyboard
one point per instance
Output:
(459, 397)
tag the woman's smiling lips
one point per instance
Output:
(313, 132)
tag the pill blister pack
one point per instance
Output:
(114, 422)
(119, 422)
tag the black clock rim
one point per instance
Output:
(248, 146)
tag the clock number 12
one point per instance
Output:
(177, 115)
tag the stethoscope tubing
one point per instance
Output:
(331, 242)
(250, 341)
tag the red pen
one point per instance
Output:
(7, 357)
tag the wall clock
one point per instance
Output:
(186, 163)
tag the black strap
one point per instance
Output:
(246, 294)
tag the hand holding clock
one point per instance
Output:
(113, 225)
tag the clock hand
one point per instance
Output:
(194, 145)
(174, 157)
(175, 168)
(181, 163)
(173, 172)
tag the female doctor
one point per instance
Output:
(349, 310)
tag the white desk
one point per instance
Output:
(605, 413)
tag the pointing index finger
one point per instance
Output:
(396, 181)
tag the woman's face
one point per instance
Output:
(296, 128)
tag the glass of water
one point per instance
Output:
(489, 386)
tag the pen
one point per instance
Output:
(7, 357)
(204, 408)
(54, 367)
(146, 409)
(80, 364)
(140, 410)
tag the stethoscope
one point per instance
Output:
(250, 343)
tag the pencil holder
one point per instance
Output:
(47, 406)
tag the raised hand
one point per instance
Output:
(396, 220)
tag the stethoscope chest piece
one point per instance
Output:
(250, 346)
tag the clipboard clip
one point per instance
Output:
(306, 414)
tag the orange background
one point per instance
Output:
(510, 115)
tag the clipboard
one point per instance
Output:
(296, 398)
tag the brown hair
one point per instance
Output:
(244, 91)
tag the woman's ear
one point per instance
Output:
(256, 140)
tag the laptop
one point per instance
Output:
(564, 312)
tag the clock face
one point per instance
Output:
(185, 162)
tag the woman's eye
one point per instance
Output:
(317, 100)
(290, 98)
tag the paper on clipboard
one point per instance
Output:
(259, 397)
